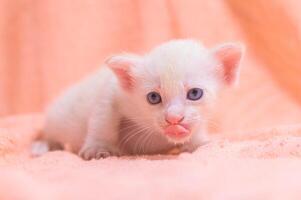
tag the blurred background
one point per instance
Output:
(46, 45)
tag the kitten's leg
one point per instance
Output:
(102, 137)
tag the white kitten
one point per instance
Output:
(143, 104)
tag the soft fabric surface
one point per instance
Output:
(265, 165)
(255, 148)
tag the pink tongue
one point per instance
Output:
(176, 130)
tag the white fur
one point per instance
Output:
(99, 117)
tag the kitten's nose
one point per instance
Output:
(174, 119)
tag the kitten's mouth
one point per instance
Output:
(178, 131)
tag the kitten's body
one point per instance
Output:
(107, 113)
(67, 119)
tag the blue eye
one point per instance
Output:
(195, 94)
(153, 98)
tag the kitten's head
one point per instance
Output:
(169, 89)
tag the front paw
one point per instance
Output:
(98, 152)
(192, 146)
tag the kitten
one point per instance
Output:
(143, 104)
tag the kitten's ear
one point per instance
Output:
(122, 66)
(229, 55)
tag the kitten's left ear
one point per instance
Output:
(122, 66)
(229, 55)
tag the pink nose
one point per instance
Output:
(174, 119)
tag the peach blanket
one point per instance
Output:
(256, 146)
(265, 165)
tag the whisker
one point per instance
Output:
(148, 141)
(134, 119)
(143, 143)
(137, 132)
(138, 142)
(134, 132)
(128, 127)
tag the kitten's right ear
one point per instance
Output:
(122, 66)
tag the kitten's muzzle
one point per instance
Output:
(177, 131)
(175, 128)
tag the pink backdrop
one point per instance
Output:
(47, 45)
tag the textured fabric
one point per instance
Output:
(264, 164)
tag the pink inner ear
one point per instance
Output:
(126, 80)
(121, 66)
(229, 56)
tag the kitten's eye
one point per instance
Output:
(153, 98)
(195, 94)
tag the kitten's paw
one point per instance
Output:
(188, 148)
(192, 146)
(97, 152)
